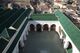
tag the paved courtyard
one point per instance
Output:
(43, 42)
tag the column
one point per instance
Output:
(22, 42)
(17, 49)
(24, 36)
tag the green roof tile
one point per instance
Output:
(50, 17)
(3, 12)
(11, 48)
(6, 16)
(70, 28)
(6, 20)
(3, 44)
(11, 32)
(8, 33)
(21, 18)
(5, 34)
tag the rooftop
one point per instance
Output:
(11, 18)
(71, 29)
(49, 17)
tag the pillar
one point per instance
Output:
(22, 42)
(24, 36)
(16, 49)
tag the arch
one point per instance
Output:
(32, 27)
(45, 27)
(69, 46)
(38, 27)
(53, 27)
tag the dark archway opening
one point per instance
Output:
(45, 27)
(53, 27)
(38, 27)
(69, 46)
(32, 27)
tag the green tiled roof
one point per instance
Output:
(26, 14)
(3, 11)
(13, 18)
(11, 48)
(50, 17)
(5, 34)
(9, 19)
(7, 15)
(21, 18)
(3, 44)
(11, 32)
(70, 28)
(4, 19)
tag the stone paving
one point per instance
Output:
(43, 42)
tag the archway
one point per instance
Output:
(53, 27)
(69, 48)
(32, 27)
(38, 27)
(45, 27)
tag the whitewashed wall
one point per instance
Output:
(46, 22)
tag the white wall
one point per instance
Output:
(46, 22)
